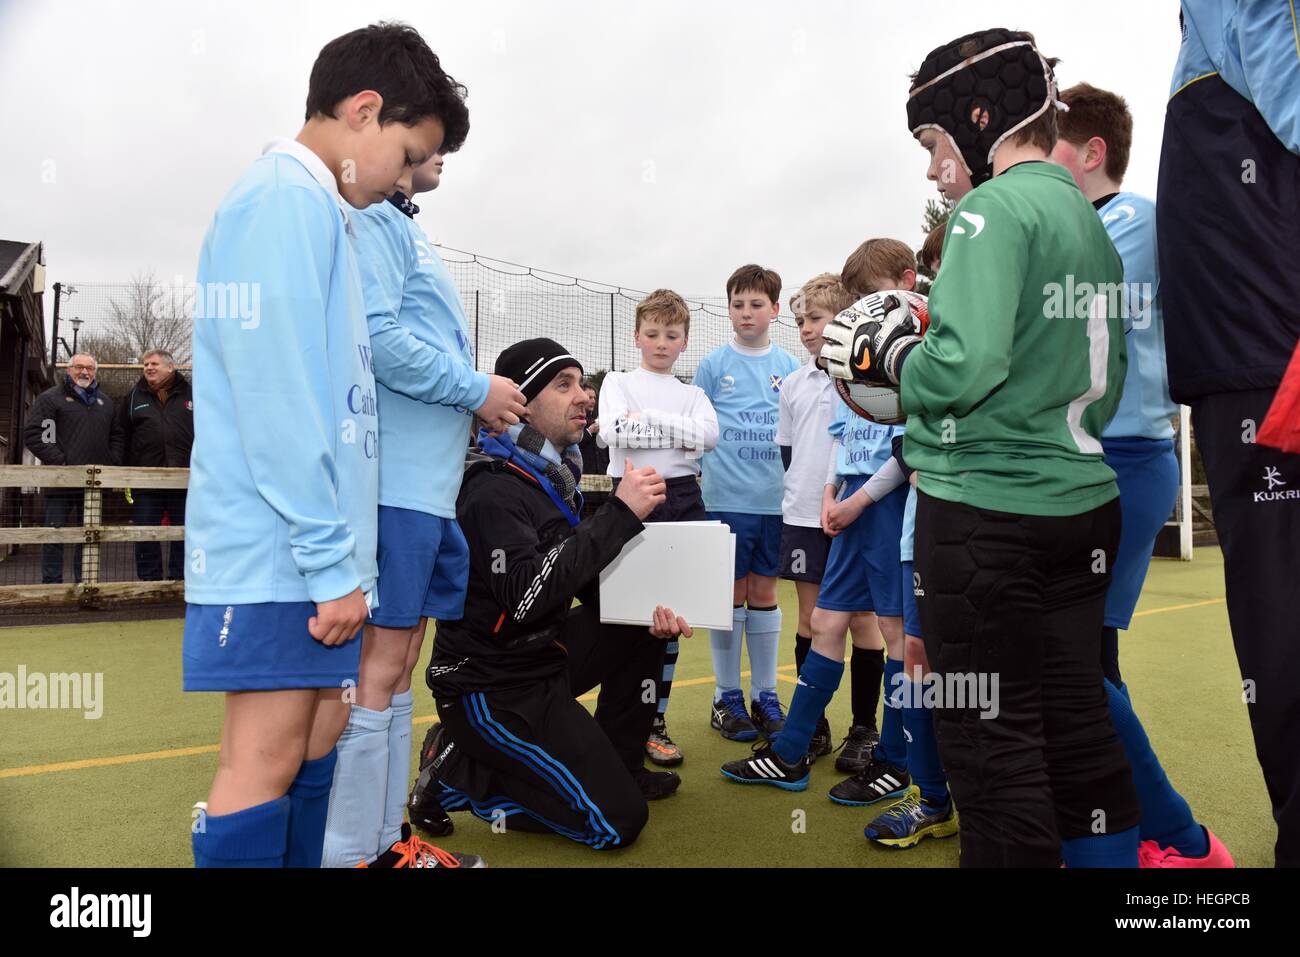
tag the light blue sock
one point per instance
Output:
(1166, 817)
(309, 797)
(253, 837)
(817, 683)
(922, 748)
(356, 809)
(1102, 850)
(763, 639)
(892, 746)
(399, 769)
(725, 646)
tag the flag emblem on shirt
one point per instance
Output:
(776, 383)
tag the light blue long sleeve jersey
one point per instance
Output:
(284, 476)
(423, 362)
(743, 473)
(864, 446)
(1145, 409)
(1254, 46)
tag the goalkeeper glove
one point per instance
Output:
(867, 341)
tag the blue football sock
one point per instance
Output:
(253, 837)
(1102, 850)
(309, 801)
(763, 639)
(1166, 817)
(892, 746)
(725, 646)
(399, 769)
(356, 803)
(817, 683)
(922, 748)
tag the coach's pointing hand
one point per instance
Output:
(642, 490)
(338, 620)
(503, 406)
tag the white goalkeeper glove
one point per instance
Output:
(866, 341)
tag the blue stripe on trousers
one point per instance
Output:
(548, 767)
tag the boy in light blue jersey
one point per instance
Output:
(1095, 137)
(808, 403)
(427, 387)
(862, 511)
(862, 575)
(281, 519)
(743, 483)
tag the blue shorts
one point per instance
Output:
(911, 616)
(864, 571)
(803, 553)
(758, 542)
(423, 568)
(1146, 471)
(262, 647)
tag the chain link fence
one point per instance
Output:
(117, 323)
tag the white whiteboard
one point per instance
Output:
(686, 566)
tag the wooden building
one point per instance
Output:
(25, 369)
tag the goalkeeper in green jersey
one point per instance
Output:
(1017, 518)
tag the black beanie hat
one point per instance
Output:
(533, 363)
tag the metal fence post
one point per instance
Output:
(611, 332)
(54, 336)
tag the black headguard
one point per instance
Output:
(979, 89)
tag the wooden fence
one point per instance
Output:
(90, 592)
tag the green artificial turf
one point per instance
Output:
(1179, 666)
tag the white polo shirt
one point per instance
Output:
(807, 406)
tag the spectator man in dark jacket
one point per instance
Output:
(157, 421)
(513, 740)
(71, 424)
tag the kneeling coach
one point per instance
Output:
(513, 742)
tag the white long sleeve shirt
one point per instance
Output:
(658, 419)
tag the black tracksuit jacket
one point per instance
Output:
(83, 434)
(158, 435)
(526, 565)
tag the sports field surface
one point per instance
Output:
(117, 791)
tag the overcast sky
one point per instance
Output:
(633, 143)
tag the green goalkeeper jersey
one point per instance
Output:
(1024, 360)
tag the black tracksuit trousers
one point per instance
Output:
(535, 759)
(1255, 492)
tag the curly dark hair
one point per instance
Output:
(393, 60)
